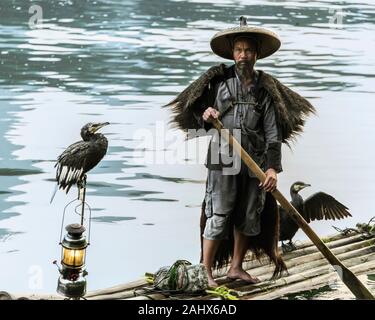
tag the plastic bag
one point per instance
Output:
(182, 276)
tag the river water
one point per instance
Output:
(120, 61)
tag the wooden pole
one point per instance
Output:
(82, 196)
(348, 277)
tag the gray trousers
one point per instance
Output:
(232, 197)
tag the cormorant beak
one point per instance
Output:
(97, 126)
(306, 185)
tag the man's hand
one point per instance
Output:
(270, 183)
(210, 114)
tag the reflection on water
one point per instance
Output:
(17, 172)
(120, 61)
(6, 234)
(157, 177)
(112, 219)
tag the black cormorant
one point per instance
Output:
(319, 206)
(81, 157)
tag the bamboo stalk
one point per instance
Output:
(337, 251)
(312, 283)
(307, 271)
(299, 260)
(293, 287)
(118, 288)
(305, 248)
(330, 245)
(301, 263)
(307, 274)
(153, 296)
(34, 296)
(333, 238)
(119, 295)
(305, 262)
(257, 290)
(361, 252)
(304, 270)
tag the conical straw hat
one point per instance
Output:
(222, 42)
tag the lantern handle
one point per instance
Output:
(80, 213)
(75, 210)
(63, 218)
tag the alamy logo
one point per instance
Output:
(336, 20)
(36, 20)
(36, 277)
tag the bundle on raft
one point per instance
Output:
(308, 270)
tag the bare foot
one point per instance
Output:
(240, 274)
(212, 283)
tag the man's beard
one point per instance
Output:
(245, 69)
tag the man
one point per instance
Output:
(226, 191)
(266, 113)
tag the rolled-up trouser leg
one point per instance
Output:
(221, 192)
(238, 196)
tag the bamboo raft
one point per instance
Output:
(308, 270)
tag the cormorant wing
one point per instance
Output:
(71, 164)
(321, 206)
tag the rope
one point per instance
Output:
(224, 292)
(172, 275)
(361, 228)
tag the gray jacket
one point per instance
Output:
(252, 113)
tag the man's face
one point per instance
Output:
(244, 53)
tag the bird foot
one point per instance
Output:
(292, 246)
(289, 247)
(284, 248)
(82, 183)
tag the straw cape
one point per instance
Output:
(290, 107)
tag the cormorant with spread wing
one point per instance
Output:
(80, 157)
(319, 206)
